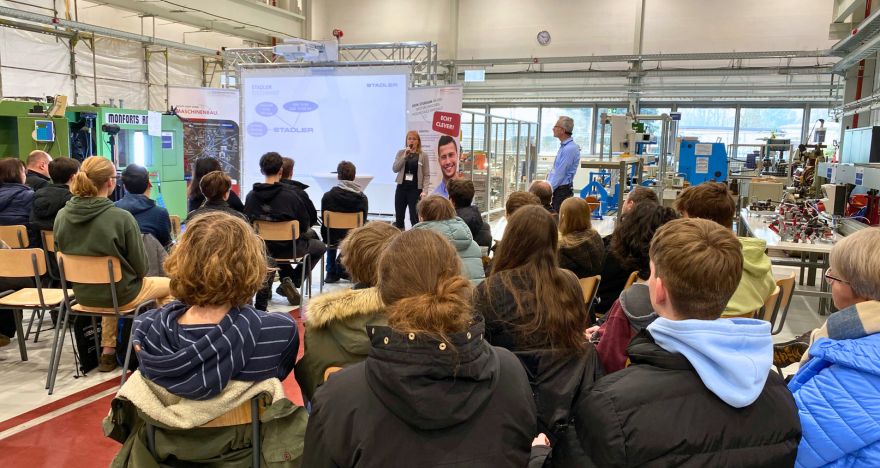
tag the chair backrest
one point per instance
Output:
(594, 202)
(589, 287)
(89, 270)
(633, 277)
(175, 226)
(786, 291)
(22, 263)
(14, 236)
(277, 230)
(330, 370)
(48, 240)
(771, 306)
(241, 414)
(339, 220)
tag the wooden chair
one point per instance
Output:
(248, 412)
(48, 238)
(15, 236)
(83, 269)
(330, 370)
(633, 277)
(287, 231)
(595, 204)
(26, 263)
(590, 287)
(786, 291)
(175, 227)
(337, 220)
(770, 307)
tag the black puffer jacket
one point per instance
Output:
(344, 198)
(658, 412)
(47, 202)
(277, 202)
(583, 253)
(416, 403)
(480, 230)
(300, 189)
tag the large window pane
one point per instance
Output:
(654, 127)
(832, 128)
(475, 155)
(756, 124)
(583, 127)
(529, 114)
(709, 124)
(607, 141)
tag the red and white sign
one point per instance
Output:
(433, 112)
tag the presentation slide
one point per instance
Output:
(321, 116)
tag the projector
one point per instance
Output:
(301, 50)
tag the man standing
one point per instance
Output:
(38, 169)
(567, 159)
(447, 158)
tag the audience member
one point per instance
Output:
(627, 250)
(202, 167)
(699, 391)
(216, 187)
(194, 346)
(461, 194)
(47, 202)
(631, 312)
(336, 325)
(836, 387)
(544, 192)
(38, 169)
(300, 189)
(7, 319)
(151, 218)
(713, 201)
(274, 201)
(536, 309)
(16, 199)
(639, 195)
(580, 246)
(345, 197)
(437, 214)
(431, 391)
(515, 201)
(90, 224)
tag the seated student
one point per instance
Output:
(544, 192)
(7, 320)
(437, 214)
(536, 309)
(699, 391)
(713, 201)
(53, 197)
(580, 246)
(461, 194)
(16, 198)
(335, 327)
(151, 218)
(300, 189)
(515, 201)
(274, 201)
(216, 188)
(38, 175)
(195, 198)
(432, 391)
(631, 312)
(194, 346)
(345, 197)
(836, 386)
(637, 196)
(90, 224)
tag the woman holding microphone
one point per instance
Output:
(413, 175)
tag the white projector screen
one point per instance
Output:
(321, 116)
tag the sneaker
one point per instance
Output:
(4, 340)
(107, 363)
(790, 352)
(288, 290)
(331, 278)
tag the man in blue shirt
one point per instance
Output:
(447, 158)
(566, 164)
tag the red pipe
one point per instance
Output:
(861, 73)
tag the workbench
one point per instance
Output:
(616, 163)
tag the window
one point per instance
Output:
(529, 114)
(583, 127)
(832, 128)
(758, 123)
(709, 124)
(654, 127)
(609, 111)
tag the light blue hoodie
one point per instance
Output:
(731, 356)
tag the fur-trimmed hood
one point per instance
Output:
(341, 305)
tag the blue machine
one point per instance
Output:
(701, 162)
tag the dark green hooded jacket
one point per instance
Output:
(93, 226)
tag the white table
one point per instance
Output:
(328, 180)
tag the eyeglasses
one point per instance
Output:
(832, 279)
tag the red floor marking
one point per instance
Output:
(48, 408)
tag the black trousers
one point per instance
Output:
(406, 197)
(559, 195)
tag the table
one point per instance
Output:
(618, 163)
(328, 180)
(812, 256)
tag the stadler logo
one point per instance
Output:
(260, 86)
(301, 106)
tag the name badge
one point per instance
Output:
(408, 177)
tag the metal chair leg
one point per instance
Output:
(255, 432)
(323, 273)
(27, 335)
(128, 349)
(58, 346)
(19, 330)
(40, 325)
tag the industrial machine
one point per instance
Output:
(26, 126)
(701, 162)
(123, 135)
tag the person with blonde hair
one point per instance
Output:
(836, 386)
(413, 179)
(580, 247)
(335, 327)
(195, 345)
(432, 391)
(91, 225)
(437, 214)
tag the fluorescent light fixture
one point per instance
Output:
(474, 75)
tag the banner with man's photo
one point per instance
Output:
(435, 112)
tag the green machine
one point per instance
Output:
(26, 126)
(124, 135)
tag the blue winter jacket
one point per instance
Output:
(151, 218)
(459, 234)
(16, 201)
(838, 397)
